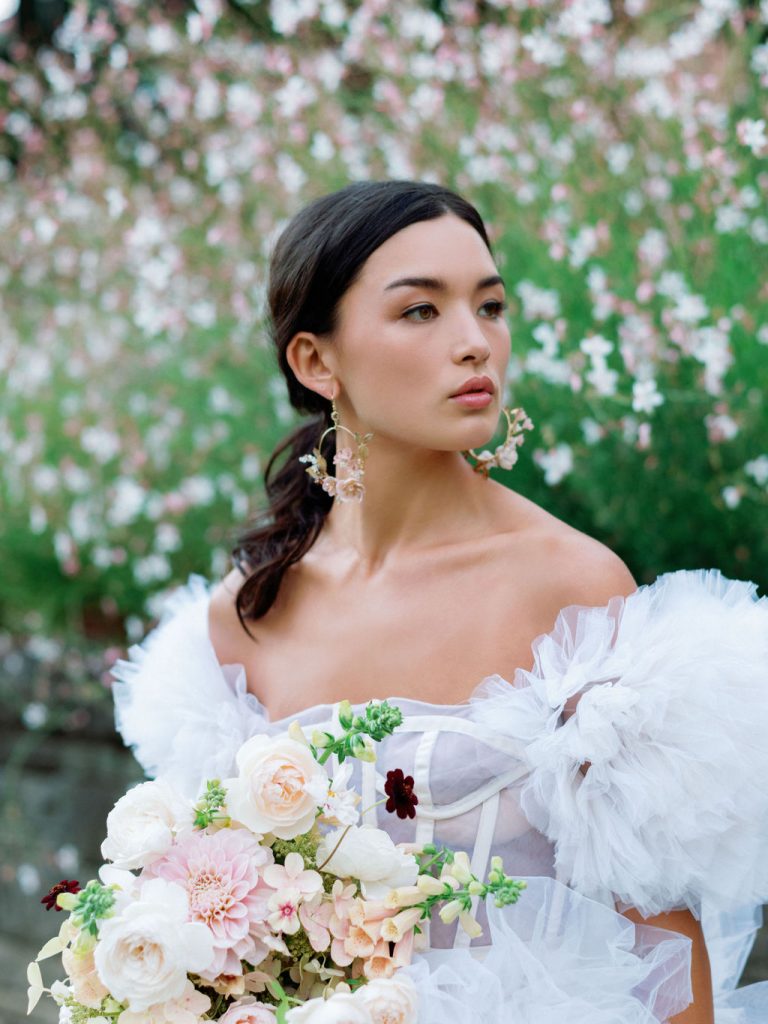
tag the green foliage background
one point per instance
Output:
(138, 218)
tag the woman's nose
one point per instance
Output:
(471, 343)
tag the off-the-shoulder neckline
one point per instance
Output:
(711, 580)
(264, 711)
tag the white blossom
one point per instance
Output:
(645, 396)
(557, 463)
(758, 469)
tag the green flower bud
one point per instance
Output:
(346, 715)
(362, 748)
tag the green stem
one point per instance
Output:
(433, 860)
(374, 806)
(338, 844)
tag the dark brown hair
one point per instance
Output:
(317, 258)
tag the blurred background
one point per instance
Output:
(150, 155)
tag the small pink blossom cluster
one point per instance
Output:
(348, 484)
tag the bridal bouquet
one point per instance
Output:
(266, 902)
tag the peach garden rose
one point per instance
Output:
(278, 787)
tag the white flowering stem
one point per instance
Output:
(460, 886)
(379, 720)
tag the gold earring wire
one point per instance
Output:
(504, 455)
(350, 487)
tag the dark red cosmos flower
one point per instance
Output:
(63, 886)
(399, 789)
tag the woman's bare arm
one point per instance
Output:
(701, 1010)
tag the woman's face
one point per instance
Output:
(423, 318)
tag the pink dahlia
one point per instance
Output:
(222, 875)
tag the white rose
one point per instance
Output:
(278, 789)
(390, 1000)
(143, 955)
(341, 1008)
(140, 826)
(367, 853)
(188, 1009)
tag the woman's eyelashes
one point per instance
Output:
(423, 312)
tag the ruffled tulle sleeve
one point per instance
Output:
(671, 689)
(183, 714)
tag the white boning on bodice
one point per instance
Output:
(368, 792)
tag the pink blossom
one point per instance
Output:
(222, 875)
(380, 962)
(292, 875)
(284, 911)
(314, 915)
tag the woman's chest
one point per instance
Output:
(424, 636)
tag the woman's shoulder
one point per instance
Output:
(225, 631)
(670, 709)
(564, 565)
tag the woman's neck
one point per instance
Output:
(413, 500)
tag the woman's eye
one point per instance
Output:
(495, 308)
(418, 310)
(426, 311)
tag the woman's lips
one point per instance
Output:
(473, 399)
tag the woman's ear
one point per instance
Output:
(310, 360)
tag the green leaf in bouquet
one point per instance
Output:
(36, 989)
(51, 948)
(94, 902)
(207, 809)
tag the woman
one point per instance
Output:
(423, 577)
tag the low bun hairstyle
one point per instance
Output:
(317, 258)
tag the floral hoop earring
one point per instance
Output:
(350, 487)
(504, 455)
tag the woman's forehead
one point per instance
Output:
(446, 249)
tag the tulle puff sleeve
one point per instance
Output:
(671, 689)
(183, 714)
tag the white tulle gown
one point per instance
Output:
(672, 716)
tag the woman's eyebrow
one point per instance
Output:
(438, 284)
